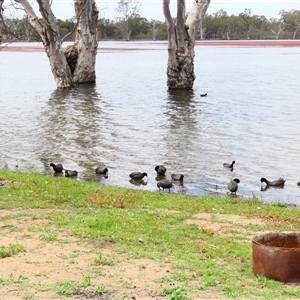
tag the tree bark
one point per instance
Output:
(181, 43)
(48, 31)
(77, 63)
(86, 42)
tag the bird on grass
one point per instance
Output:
(100, 170)
(161, 170)
(165, 184)
(227, 165)
(71, 173)
(137, 175)
(178, 177)
(58, 168)
(233, 185)
(279, 182)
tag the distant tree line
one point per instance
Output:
(131, 26)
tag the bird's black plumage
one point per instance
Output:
(101, 170)
(58, 168)
(137, 175)
(278, 182)
(165, 184)
(233, 185)
(178, 177)
(227, 165)
(161, 170)
(71, 173)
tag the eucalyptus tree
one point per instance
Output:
(291, 21)
(140, 27)
(251, 22)
(233, 27)
(75, 64)
(153, 28)
(275, 27)
(106, 29)
(128, 9)
(181, 42)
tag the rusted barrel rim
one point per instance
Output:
(269, 236)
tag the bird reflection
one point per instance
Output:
(160, 177)
(138, 182)
(266, 187)
(102, 176)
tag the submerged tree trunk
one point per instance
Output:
(77, 65)
(181, 43)
(86, 42)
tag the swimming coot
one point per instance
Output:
(71, 173)
(227, 165)
(100, 170)
(137, 175)
(161, 170)
(278, 182)
(178, 177)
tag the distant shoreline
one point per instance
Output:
(142, 45)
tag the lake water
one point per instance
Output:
(129, 121)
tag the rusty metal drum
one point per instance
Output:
(277, 256)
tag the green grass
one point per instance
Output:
(65, 288)
(11, 250)
(153, 225)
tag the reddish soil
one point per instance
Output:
(53, 256)
(210, 43)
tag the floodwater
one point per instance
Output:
(128, 121)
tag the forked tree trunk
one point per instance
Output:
(78, 65)
(181, 43)
(86, 42)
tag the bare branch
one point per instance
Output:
(76, 25)
(195, 16)
(170, 24)
(32, 17)
(180, 23)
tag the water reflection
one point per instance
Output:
(70, 127)
(181, 110)
(138, 182)
(182, 123)
(265, 188)
(130, 122)
(181, 138)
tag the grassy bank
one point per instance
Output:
(205, 241)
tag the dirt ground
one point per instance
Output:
(35, 273)
(210, 43)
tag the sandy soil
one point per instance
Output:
(34, 274)
(210, 43)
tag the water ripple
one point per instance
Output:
(129, 121)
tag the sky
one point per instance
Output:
(152, 9)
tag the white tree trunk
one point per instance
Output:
(195, 16)
(86, 42)
(181, 42)
(51, 41)
(77, 63)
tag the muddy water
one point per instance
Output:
(129, 121)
